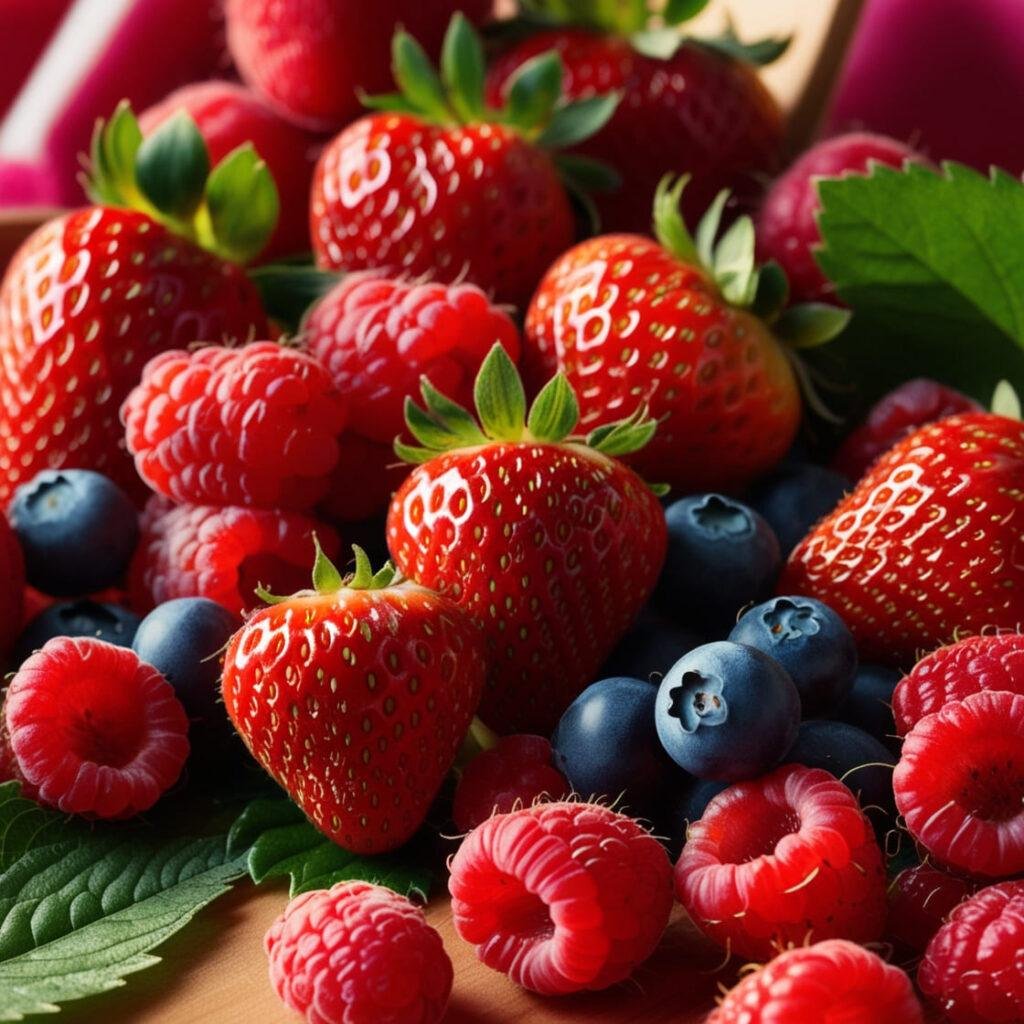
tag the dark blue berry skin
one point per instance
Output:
(856, 759)
(77, 529)
(650, 648)
(108, 622)
(684, 805)
(606, 745)
(721, 556)
(183, 640)
(810, 641)
(795, 497)
(869, 704)
(727, 712)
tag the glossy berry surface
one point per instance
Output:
(256, 425)
(828, 980)
(810, 641)
(721, 556)
(606, 745)
(358, 952)
(517, 772)
(787, 227)
(561, 897)
(112, 623)
(972, 967)
(793, 498)
(953, 672)
(788, 857)
(921, 899)
(868, 705)
(94, 730)
(183, 640)
(652, 645)
(726, 711)
(908, 558)
(959, 784)
(91, 297)
(222, 553)
(77, 530)
(902, 411)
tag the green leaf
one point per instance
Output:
(243, 204)
(417, 79)
(499, 396)
(669, 227)
(278, 842)
(555, 411)
(1006, 401)
(811, 324)
(931, 265)
(171, 166)
(326, 578)
(462, 68)
(760, 53)
(585, 174)
(677, 11)
(288, 291)
(772, 292)
(456, 420)
(111, 177)
(657, 43)
(533, 91)
(735, 268)
(625, 436)
(81, 908)
(574, 122)
(707, 229)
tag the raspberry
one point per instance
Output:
(517, 771)
(561, 897)
(780, 859)
(974, 966)
(893, 417)
(956, 671)
(834, 980)
(222, 554)
(959, 784)
(358, 953)
(255, 425)
(94, 730)
(920, 900)
(787, 227)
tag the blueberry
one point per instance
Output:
(108, 622)
(721, 556)
(856, 759)
(727, 712)
(795, 497)
(810, 641)
(869, 704)
(684, 805)
(651, 647)
(183, 639)
(606, 745)
(78, 531)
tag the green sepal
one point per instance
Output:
(584, 174)
(677, 11)
(626, 436)
(416, 78)
(243, 204)
(110, 178)
(707, 229)
(463, 68)
(669, 227)
(659, 490)
(657, 43)
(500, 397)
(288, 291)
(760, 53)
(621, 17)
(456, 420)
(533, 91)
(411, 454)
(326, 578)
(574, 122)
(810, 324)
(172, 165)
(1006, 401)
(555, 411)
(772, 292)
(735, 266)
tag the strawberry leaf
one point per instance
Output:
(172, 165)
(462, 68)
(576, 121)
(499, 396)
(277, 841)
(243, 205)
(555, 411)
(930, 264)
(533, 91)
(417, 79)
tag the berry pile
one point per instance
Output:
(626, 622)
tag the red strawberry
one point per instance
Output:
(548, 542)
(229, 115)
(629, 319)
(92, 295)
(927, 548)
(690, 106)
(439, 185)
(355, 697)
(312, 58)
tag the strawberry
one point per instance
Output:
(312, 58)
(355, 696)
(927, 548)
(92, 295)
(688, 105)
(672, 323)
(545, 539)
(436, 184)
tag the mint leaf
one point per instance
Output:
(278, 841)
(81, 908)
(931, 265)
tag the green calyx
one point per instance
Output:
(230, 209)
(535, 109)
(1006, 401)
(327, 579)
(443, 426)
(728, 258)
